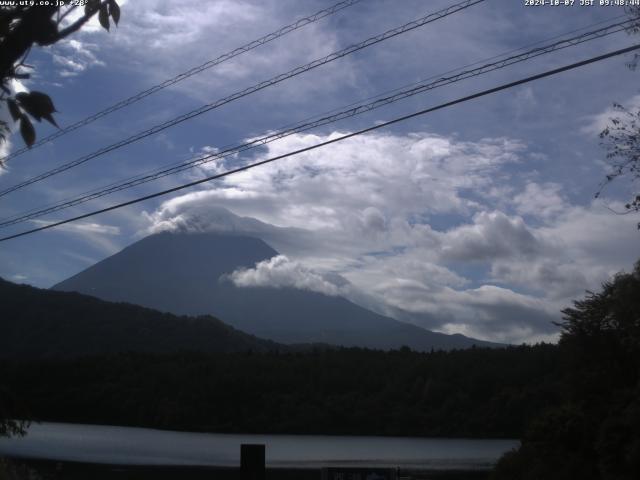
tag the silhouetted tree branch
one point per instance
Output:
(20, 28)
(621, 138)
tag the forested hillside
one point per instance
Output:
(39, 323)
(464, 393)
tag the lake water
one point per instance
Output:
(141, 446)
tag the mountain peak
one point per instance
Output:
(183, 272)
(213, 219)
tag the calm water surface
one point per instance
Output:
(141, 446)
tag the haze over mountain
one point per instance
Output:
(191, 274)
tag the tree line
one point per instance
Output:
(463, 393)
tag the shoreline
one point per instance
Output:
(127, 447)
(72, 470)
(231, 433)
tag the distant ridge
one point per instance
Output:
(183, 273)
(38, 323)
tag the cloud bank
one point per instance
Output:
(429, 229)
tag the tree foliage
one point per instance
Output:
(621, 138)
(23, 25)
(595, 432)
(465, 393)
(11, 423)
(12, 414)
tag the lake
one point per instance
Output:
(142, 446)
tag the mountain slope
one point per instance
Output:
(184, 273)
(39, 323)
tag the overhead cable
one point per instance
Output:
(248, 91)
(341, 138)
(415, 89)
(302, 22)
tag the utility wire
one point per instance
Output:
(248, 91)
(300, 126)
(483, 93)
(302, 22)
(467, 66)
(304, 126)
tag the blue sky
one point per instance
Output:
(477, 219)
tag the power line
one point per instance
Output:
(469, 65)
(412, 90)
(248, 91)
(359, 102)
(302, 22)
(483, 93)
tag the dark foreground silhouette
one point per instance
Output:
(594, 433)
(466, 393)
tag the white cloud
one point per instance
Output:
(74, 57)
(492, 235)
(343, 185)
(366, 209)
(280, 272)
(581, 248)
(198, 212)
(553, 277)
(189, 33)
(500, 314)
(95, 234)
(543, 201)
(596, 236)
(84, 227)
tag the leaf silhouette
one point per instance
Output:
(114, 11)
(37, 104)
(27, 131)
(103, 16)
(14, 109)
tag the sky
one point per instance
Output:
(477, 219)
